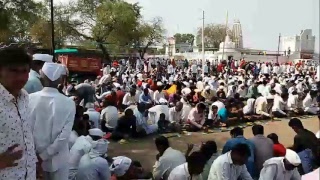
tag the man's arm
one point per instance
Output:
(268, 172)
(245, 174)
(62, 139)
(103, 169)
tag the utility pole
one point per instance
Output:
(202, 42)
(52, 29)
(226, 33)
(278, 47)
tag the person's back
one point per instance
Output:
(93, 169)
(263, 150)
(80, 147)
(51, 113)
(110, 115)
(172, 158)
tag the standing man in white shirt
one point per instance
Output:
(34, 84)
(170, 69)
(17, 155)
(52, 116)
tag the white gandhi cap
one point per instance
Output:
(96, 132)
(120, 165)
(292, 157)
(52, 70)
(42, 57)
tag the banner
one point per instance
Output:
(79, 64)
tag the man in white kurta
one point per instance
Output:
(52, 115)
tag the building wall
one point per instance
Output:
(305, 42)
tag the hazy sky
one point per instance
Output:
(261, 20)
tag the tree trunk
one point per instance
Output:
(105, 53)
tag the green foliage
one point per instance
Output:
(214, 34)
(184, 38)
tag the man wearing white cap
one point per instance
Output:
(34, 83)
(52, 116)
(93, 165)
(282, 168)
(82, 146)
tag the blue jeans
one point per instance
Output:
(306, 157)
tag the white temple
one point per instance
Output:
(227, 50)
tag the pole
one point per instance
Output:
(202, 43)
(278, 47)
(52, 29)
(224, 42)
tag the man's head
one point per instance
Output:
(14, 68)
(51, 75)
(257, 130)
(274, 138)
(291, 160)
(214, 109)
(196, 162)
(237, 131)
(128, 113)
(95, 134)
(201, 107)
(209, 148)
(296, 124)
(162, 143)
(240, 154)
(179, 106)
(141, 107)
(39, 60)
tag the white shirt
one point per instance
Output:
(181, 172)
(96, 168)
(110, 115)
(73, 137)
(51, 116)
(278, 105)
(175, 116)
(170, 159)
(82, 146)
(155, 111)
(274, 169)
(93, 116)
(157, 95)
(128, 99)
(194, 68)
(224, 169)
(170, 69)
(15, 129)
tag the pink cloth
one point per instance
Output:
(314, 175)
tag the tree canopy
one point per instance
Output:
(184, 38)
(214, 34)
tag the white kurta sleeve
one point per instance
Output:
(63, 138)
(268, 172)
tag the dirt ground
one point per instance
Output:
(144, 150)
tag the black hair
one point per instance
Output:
(85, 117)
(14, 56)
(237, 131)
(273, 137)
(196, 158)
(162, 141)
(214, 107)
(201, 106)
(242, 150)
(236, 96)
(209, 148)
(127, 111)
(257, 129)
(295, 122)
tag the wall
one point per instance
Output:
(307, 41)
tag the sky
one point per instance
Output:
(261, 20)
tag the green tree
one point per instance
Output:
(214, 34)
(104, 22)
(184, 38)
(147, 34)
(16, 17)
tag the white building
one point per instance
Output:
(299, 45)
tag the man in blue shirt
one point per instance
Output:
(145, 97)
(238, 138)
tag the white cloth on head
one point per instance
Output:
(52, 70)
(42, 57)
(292, 157)
(99, 148)
(120, 165)
(96, 132)
(162, 101)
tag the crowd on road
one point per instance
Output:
(54, 127)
